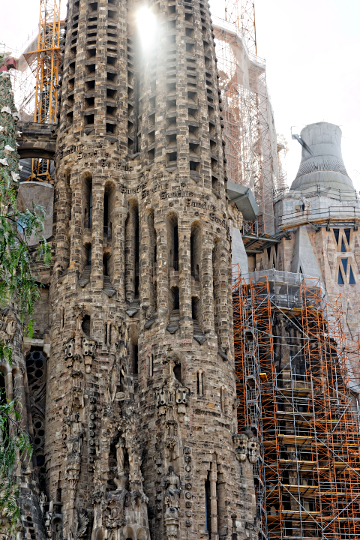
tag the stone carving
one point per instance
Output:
(88, 350)
(253, 449)
(113, 514)
(48, 527)
(77, 431)
(173, 489)
(171, 524)
(120, 479)
(120, 455)
(240, 441)
(73, 445)
(172, 486)
(69, 348)
(79, 526)
(117, 383)
(57, 530)
(43, 500)
(7, 324)
(171, 441)
(88, 347)
(246, 446)
(173, 393)
(135, 475)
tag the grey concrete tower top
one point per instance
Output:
(324, 166)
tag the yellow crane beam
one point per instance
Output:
(45, 64)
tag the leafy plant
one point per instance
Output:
(18, 286)
(19, 291)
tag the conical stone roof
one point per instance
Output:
(323, 166)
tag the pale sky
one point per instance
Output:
(312, 50)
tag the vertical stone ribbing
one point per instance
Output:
(141, 397)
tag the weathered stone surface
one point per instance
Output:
(140, 408)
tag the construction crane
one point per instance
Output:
(242, 13)
(45, 64)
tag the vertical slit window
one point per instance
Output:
(347, 235)
(336, 234)
(343, 248)
(195, 251)
(132, 251)
(86, 325)
(152, 261)
(173, 241)
(200, 383)
(340, 278)
(134, 358)
(137, 254)
(88, 202)
(177, 372)
(216, 284)
(176, 248)
(344, 263)
(109, 203)
(194, 308)
(222, 399)
(208, 506)
(105, 265)
(88, 255)
(176, 303)
(351, 277)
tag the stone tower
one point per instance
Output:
(321, 212)
(140, 396)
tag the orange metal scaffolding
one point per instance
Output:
(294, 391)
(45, 64)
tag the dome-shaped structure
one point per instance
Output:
(323, 165)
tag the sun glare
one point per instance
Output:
(146, 22)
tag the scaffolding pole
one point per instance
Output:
(249, 131)
(295, 391)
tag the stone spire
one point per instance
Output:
(321, 160)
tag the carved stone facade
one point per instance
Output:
(140, 389)
(135, 428)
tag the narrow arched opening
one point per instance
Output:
(88, 200)
(173, 241)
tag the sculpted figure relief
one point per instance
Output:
(172, 486)
(69, 348)
(7, 324)
(88, 347)
(120, 456)
(241, 441)
(79, 526)
(120, 478)
(246, 446)
(77, 431)
(253, 449)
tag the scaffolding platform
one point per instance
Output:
(294, 390)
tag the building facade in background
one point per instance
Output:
(190, 375)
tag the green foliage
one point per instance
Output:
(18, 285)
(15, 449)
(19, 291)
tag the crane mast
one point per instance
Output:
(45, 64)
(242, 13)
